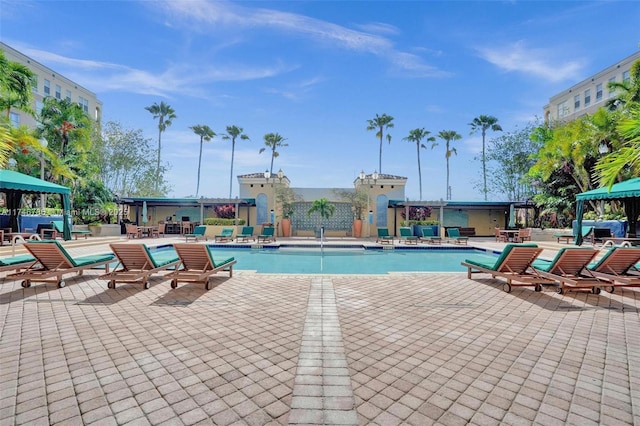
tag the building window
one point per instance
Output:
(576, 102)
(15, 119)
(58, 92)
(47, 87)
(563, 109)
(39, 106)
(67, 95)
(626, 76)
(598, 92)
(612, 91)
(34, 84)
(84, 104)
(587, 98)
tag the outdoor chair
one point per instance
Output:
(136, 264)
(500, 236)
(267, 235)
(198, 233)
(245, 234)
(454, 235)
(523, 235)
(429, 237)
(406, 235)
(384, 237)
(133, 231)
(53, 261)
(569, 270)
(225, 235)
(15, 263)
(514, 265)
(198, 264)
(618, 267)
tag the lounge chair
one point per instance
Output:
(514, 265)
(454, 235)
(198, 233)
(618, 267)
(406, 235)
(268, 234)
(384, 237)
(429, 237)
(567, 238)
(53, 261)
(225, 236)
(569, 270)
(245, 234)
(136, 263)
(58, 227)
(15, 263)
(198, 264)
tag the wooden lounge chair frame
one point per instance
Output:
(197, 265)
(618, 267)
(569, 270)
(198, 232)
(406, 235)
(245, 234)
(16, 263)
(454, 234)
(384, 237)
(267, 235)
(225, 236)
(136, 264)
(53, 261)
(429, 237)
(514, 265)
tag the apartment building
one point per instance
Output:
(49, 83)
(588, 95)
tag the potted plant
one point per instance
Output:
(285, 197)
(359, 204)
(325, 209)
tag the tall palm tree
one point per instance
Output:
(416, 136)
(165, 114)
(448, 136)
(627, 91)
(206, 134)
(273, 141)
(233, 133)
(15, 86)
(484, 122)
(380, 123)
(65, 126)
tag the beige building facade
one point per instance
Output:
(590, 94)
(49, 83)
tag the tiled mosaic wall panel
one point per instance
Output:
(342, 219)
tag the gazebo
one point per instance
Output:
(15, 184)
(628, 192)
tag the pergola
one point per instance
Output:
(628, 192)
(14, 184)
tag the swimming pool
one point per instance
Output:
(296, 260)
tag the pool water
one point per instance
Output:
(350, 261)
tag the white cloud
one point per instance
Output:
(216, 14)
(536, 61)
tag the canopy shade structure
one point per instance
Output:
(628, 192)
(15, 184)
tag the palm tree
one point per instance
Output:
(322, 207)
(233, 132)
(484, 122)
(628, 91)
(206, 134)
(448, 136)
(65, 126)
(416, 136)
(273, 141)
(165, 114)
(15, 86)
(380, 123)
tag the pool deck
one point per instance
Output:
(401, 348)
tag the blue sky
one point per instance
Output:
(316, 71)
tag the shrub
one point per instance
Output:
(218, 221)
(227, 211)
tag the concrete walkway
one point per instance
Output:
(410, 348)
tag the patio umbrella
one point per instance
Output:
(144, 212)
(512, 216)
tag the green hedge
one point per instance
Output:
(222, 222)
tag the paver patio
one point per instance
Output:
(286, 349)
